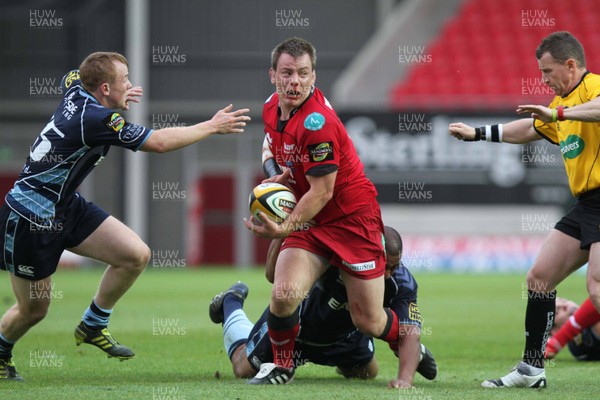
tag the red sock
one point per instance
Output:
(282, 343)
(585, 316)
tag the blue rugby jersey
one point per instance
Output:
(325, 318)
(78, 136)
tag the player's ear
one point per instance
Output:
(105, 89)
(272, 75)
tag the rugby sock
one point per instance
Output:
(96, 318)
(539, 318)
(236, 330)
(230, 304)
(391, 331)
(283, 332)
(6, 347)
(585, 316)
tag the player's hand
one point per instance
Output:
(133, 95)
(462, 131)
(267, 228)
(399, 384)
(542, 113)
(227, 121)
(282, 178)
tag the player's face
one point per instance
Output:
(293, 79)
(564, 309)
(391, 264)
(117, 90)
(557, 75)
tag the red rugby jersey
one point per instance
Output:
(315, 142)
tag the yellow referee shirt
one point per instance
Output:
(579, 141)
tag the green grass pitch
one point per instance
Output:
(473, 324)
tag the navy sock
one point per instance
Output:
(96, 318)
(230, 304)
(6, 347)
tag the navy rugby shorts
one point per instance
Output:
(32, 252)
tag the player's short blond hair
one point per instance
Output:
(98, 68)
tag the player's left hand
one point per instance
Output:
(542, 113)
(267, 228)
(133, 95)
(399, 384)
(281, 179)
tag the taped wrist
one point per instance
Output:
(271, 168)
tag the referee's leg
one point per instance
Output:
(593, 275)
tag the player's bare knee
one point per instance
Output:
(243, 370)
(283, 304)
(241, 366)
(537, 281)
(138, 258)
(35, 312)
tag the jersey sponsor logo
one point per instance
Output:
(314, 121)
(337, 305)
(571, 147)
(321, 152)
(25, 270)
(364, 266)
(71, 77)
(414, 313)
(115, 122)
(130, 133)
(289, 148)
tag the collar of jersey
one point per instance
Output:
(576, 86)
(84, 93)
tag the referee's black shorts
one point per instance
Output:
(582, 222)
(32, 252)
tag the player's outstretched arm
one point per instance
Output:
(225, 121)
(409, 351)
(519, 131)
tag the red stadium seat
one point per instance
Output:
(485, 55)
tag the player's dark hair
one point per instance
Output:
(98, 68)
(562, 46)
(295, 47)
(393, 241)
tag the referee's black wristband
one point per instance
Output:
(271, 168)
(492, 133)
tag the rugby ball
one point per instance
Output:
(274, 199)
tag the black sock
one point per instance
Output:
(539, 319)
(5, 349)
